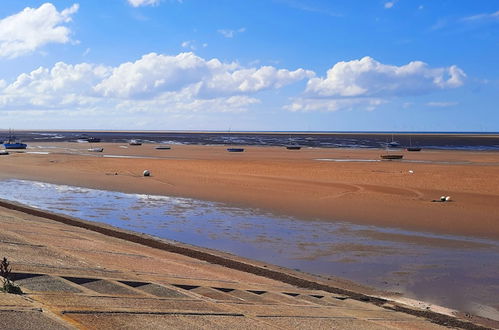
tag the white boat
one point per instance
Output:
(135, 143)
(393, 143)
(96, 149)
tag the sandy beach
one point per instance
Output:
(332, 186)
(328, 184)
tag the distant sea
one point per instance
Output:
(426, 140)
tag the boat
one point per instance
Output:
(3, 152)
(393, 143)
(163, 148)
(85, 138)
(293, 147)
(135, 143)
(98, 149)
(235, 149)
(391, 156)
(411, 148)
(13, 143)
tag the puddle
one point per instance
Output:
(453, 271)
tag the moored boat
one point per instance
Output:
(85, 138)
(163, 148)
(135, 143)
(98, 149)
(13, 143)
(235, 149)
(293, 147)
(391, 156)
(411, 148)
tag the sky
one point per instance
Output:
(264, 65)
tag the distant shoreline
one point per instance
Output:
(402, 133)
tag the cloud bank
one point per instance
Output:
(33, 28)
(370, 83)
(155, 81)
(186, 83)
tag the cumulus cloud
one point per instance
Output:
(367, 84)
(32, 28)
(367, 78)
(62, 85)
(139, 3)
(156, 73)
(184, 82)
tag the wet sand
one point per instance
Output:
(327, 184)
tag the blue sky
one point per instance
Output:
(403, 65)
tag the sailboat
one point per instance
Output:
(13, 143)
(411, 148)
(393, 143)
(390, 156)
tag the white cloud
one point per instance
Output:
(251, 80)
(368, 78)
(139, 3)
(63, 85)
(189, 44)
(32, 28)
(389, 4)
(307, 104)
(367, 84)
(155, 82)
(231, 33)
(480, 17)
(154, 74)
(441, 104)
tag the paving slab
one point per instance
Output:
(71, 302)
(12, 300)
(29, 320)
(187, 322)
(311, 323)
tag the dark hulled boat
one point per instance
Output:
(235, 149)
(391, 156)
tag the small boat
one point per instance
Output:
(235, 149)
(85, 138)
(13, 143)
(4, 152)
(135, 143)
(96, 149)
(391, 156)
(393, 143)
(163, 148)
(293, 147)
(411, 148)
